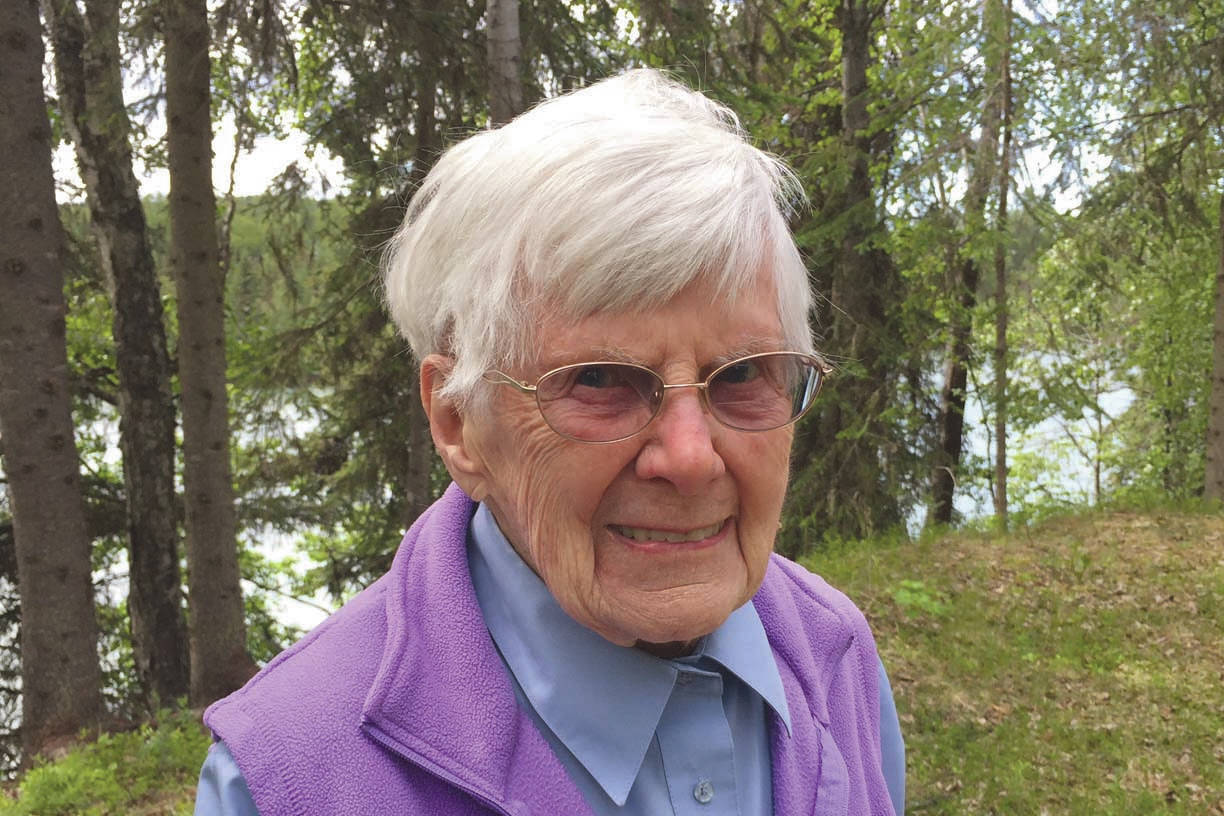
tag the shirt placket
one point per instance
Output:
(696, 747)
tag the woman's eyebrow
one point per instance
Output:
(618, 354)
(749, 346)
(593, 354)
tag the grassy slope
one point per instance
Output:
(1073, 669)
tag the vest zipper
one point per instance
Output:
(392, 744)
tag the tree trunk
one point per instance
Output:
(951, 417)
(1001, 315)
(966, 273)
(505, 60)
(219, 661)
(1169, 424)
(421, 454)
(59, 633)
(842, 484)
(1214, 482)
(865, 274)
(87, 66)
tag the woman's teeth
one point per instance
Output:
(670, 536)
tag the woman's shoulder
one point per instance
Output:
(793, 589)
(817, 634)
(332, 663)
(306, 702)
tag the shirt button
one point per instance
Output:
(704, 792)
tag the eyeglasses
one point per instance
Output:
(608, 401)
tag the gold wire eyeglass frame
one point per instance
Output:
(819, 370)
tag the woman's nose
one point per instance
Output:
(680, 444)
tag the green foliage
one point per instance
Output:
(150, 770)
(1111, 351)
(916, 596)
(318, 437)
(266, 582)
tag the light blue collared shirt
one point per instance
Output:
(636, 733)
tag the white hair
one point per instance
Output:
(611, 198)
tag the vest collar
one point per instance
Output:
(441, 698)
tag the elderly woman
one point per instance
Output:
(611, 319)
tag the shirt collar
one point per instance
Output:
(742, 647)
(577, 680)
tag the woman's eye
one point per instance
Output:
(740, 372)
(596, 377)
(591, 377)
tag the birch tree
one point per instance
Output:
(965, 271)
(505, 60)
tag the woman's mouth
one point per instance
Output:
(673, 536)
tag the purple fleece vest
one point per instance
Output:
(399, 703)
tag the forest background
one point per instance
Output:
(1015, 233)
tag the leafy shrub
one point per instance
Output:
(152, 769)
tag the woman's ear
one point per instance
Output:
(449, 427)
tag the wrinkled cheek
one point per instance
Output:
(558, 541)
(762, 530)
(532, 498)
(779, 475)
(771, 515)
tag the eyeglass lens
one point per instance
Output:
(599, 402)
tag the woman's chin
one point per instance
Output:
(668, 650)
(675, 633)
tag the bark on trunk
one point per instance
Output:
(1001, 315)
(1213, 487)
(219, 661)
(59, 634)
(841, 455)
(87, 67)
(865, 274)
(421, 454)
(951, 417)
(965, 275)
(505, 60)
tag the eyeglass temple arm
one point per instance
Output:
(495, 376)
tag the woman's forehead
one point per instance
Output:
(695, 325)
